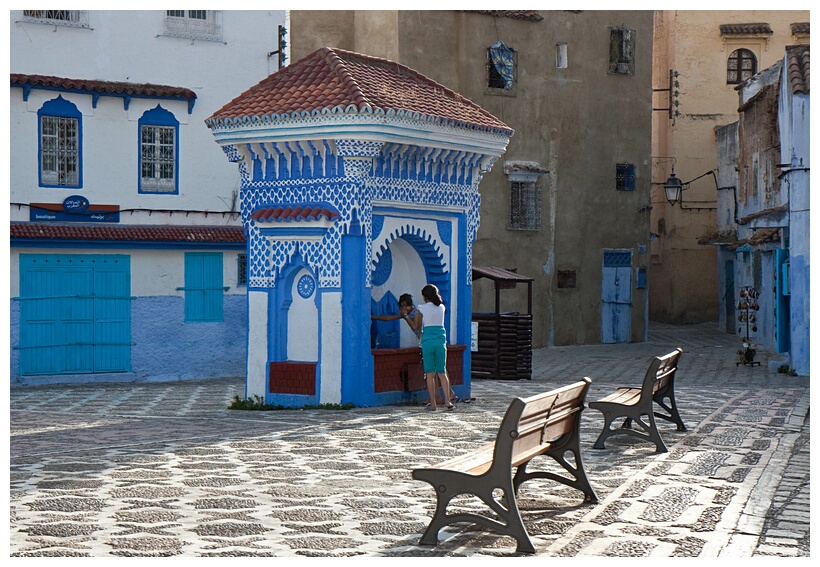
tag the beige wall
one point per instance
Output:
(577, 122)
(683, 274)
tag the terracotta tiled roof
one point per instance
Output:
(764, 213)
(293, 213)
(136, 233)
(800, 28)
(106, 87)
(760, 236)
(530, 15)
(535, 167)
(798, 69)
(718, 237)
(332, 80)
(745, 29)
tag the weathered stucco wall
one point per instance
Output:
(683, 275)
(578, 122)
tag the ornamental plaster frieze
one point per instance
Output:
(275, 161)
(438, 234)
(374, 128)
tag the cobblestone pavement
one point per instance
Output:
(165, 469)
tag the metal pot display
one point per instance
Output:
(748, 305)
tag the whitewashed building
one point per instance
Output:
(127, 256)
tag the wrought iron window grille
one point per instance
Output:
(525, 205)
(65, 18)
(194, 24)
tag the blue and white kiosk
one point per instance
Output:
(359, 182)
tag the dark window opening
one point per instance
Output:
(502, 69)
(566, 279)
(625, 177)
(525, 205)
(742, 65)
(621, 51)
(242, 269)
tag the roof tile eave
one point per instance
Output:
(336, 80)
(125, 233)
(93, 85)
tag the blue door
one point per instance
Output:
(783, 307)
(75, 314)
(616, 297)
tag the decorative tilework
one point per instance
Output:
(268, 256)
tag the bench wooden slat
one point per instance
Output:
(633, 403)
(545, 424)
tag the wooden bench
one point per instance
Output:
(634, 403)
(546, 424)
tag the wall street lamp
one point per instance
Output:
(673, 188)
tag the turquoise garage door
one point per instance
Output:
(75, 314)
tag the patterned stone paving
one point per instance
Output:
(165, 470)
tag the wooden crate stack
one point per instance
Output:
(504, 346)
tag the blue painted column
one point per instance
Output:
(357, 361)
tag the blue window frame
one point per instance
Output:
(203, 287)
(60, 152)
(159, 152)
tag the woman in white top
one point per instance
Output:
(434, 345)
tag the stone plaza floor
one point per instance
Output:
(164, 469)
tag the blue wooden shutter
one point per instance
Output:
(203, 286)
(75, 314)
(112, 316)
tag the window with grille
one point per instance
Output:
(525, 205)
(502, 69)
(741, 65)
(158, 152)
(194, 24)
(625, 177)
(242, 269)
(60, 135)
(70, 18)
(621, 51)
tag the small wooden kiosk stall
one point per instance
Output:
(504, 339)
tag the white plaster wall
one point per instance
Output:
(407, 277)
(303, 325)
(257, 344)
(129, 45)
(331, 349)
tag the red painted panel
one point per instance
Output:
(287, 377)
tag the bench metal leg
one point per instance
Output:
(672, 408)
(579, 478)
(647, 432)
(449, 484)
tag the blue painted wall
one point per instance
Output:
(164, 347)
(167, 348)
